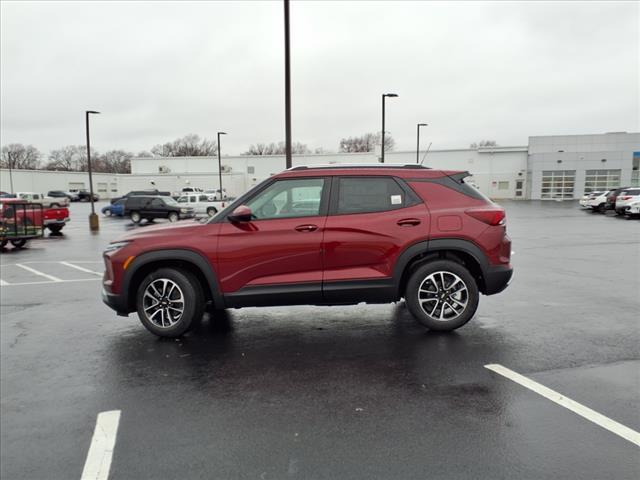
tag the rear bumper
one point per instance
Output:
(496, 279)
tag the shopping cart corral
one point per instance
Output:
(20, 222)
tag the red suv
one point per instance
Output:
(334, 235)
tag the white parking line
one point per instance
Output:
(33, 270)
(6, 284)
(98, 462)
(82, 269)
(585, 412)
(3, 283)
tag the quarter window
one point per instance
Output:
(288, 198)
(371, 194)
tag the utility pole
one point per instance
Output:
(94, 222)
(220, 164)
(287, 86)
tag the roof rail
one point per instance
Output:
(361, 165)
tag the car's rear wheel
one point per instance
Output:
(135, 217)
(170, 302)
(442, 295)
(211, 211)
(173, 217)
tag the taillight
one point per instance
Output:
(490, 216)
(625, 197)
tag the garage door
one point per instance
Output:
(557, 184)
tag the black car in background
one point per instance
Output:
(85, 196)
(150, 207)
(611, 198)
(58, 194)
(137, 193)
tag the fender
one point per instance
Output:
(190, 256)
(431, 246)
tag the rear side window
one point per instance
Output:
(631, 191)
(369, 194)
(203, 198)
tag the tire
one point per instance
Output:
(443, 317)
(54, 205)
(55, 228)
(160, 320)
(211, 211)
(173, 217)
(19, 243)
(107, 212)
(601, 208)
(135, 217)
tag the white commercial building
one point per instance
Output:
(550, 167)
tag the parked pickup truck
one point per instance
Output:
(202, 203)
(43, 200)
(55, 218)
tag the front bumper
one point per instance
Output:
(496, 279)
(115, 302)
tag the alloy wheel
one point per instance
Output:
(443, 296)
(163, 302)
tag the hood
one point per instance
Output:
(186, 227)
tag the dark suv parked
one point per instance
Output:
(153, 206)
(323, 236)
(147, 193)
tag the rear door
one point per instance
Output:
(371, 221)
(276, 258)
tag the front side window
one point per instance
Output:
(182, 200)
(157, 203)
(288, 199)
(369, 194)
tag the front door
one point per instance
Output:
(276, 258)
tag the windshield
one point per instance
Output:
(170, 201)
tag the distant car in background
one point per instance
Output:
(45, 201)
(625, 198)
(116, 208)
(633, 209)
(611, 198)
(216, 194)
(584, 201)
(82, 195)
(59, 194)
(597, 203)
(140, 207)
(202, 203)
(138, 193)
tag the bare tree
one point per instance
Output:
(279, 148)
(72, 158)
(188, 146)
(114, 161)
(19, 156)
(366, 143)
(484, 143)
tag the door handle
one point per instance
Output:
(306, 228)
(408, 222)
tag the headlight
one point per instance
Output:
(116, 246)
(184, 210)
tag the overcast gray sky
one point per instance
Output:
(160, 70)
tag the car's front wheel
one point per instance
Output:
(442, 295)
(173, 217)
(107, 212)
(170, 302)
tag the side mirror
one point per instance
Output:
(241, 214)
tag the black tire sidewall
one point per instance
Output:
(411, 295)
(193, 301)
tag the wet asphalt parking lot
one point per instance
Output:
(356, 392)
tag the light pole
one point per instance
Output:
(384, 96)
(287, 88)
(418, 141)
(220, 164)
(9, 162)
(94, 223)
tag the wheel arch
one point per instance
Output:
(461, 251)
(193, 262)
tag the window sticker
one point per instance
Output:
(396, 199)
